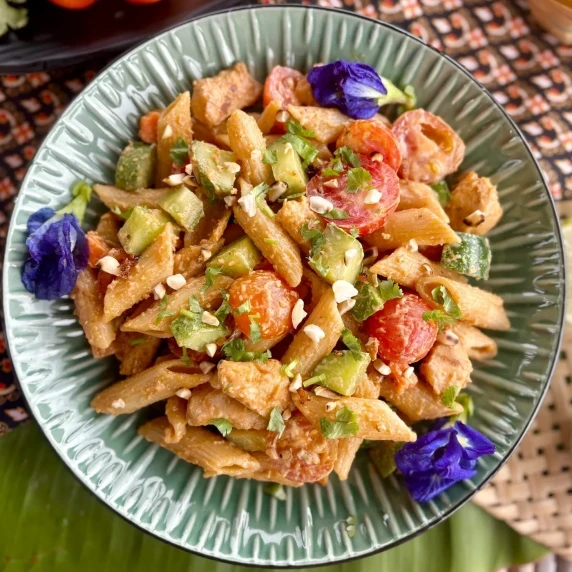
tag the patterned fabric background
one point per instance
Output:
(527, 70)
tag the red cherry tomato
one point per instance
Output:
(365, 218)
(271, 301)
(148, 127)
(280, 86)
(403, 335)
(371, 136)
(430, 149)
(302, 453)
(73, 4)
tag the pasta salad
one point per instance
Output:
(290, 279)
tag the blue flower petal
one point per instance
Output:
(39, 218)
(475, 444)
(418, 456)
(425, 486)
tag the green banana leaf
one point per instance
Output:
(50, 522)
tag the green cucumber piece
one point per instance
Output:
(472, 256)
(237, 259)
(330, 261)
(368, 301)
(248, 440)
(193, 334)
(443, 193)
(383, 456)
(288, 168)
(141, 229)
(136, 167)
(210, 170)
(184, 206)
(343, 370)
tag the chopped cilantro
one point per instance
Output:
(270, 241)
(276, 490)
(302, 147)
(345, 424)
(319, 266)
(354, 232)
(269, 157)
(194, 305)
(315, 379)
(317, 240)
(210, 273)
(186, 359)
(276, 423)
(244, 307)
(357, 178)
(334, 168)
(448, 396)
(348, 156)
(389, 290)
(291, 197)
(295, 127)
(441, 318)
(137, 341)
(163, 313)
(255, 334)
(222, 424)
(259, 193)
(235, 350)
(352, 343)
(441, 296)
(123, 214)
(224, 309)
(336, 214)
(288, 369)
(179, 152)
(368, 301)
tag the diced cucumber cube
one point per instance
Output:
(136, 167)
(210, 167)
(237, 259)
(184, 206)
(343, 370)
(141, 229)
(472, 256)
(288, 168)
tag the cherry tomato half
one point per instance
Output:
(280, 86)
(371, 136)
(302, 454)
(403, 335)
(366, 218)
(271, 303)
(430, 149)
(73, 4)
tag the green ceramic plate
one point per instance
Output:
(230, 519)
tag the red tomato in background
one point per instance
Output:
(270, 298)
(73, 4)
(365, 218)
(142, 2)
(403, 335)
(280, 86)
(371, 136)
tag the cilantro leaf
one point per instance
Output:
(255, 334)
(354, 232)
(295, 127)
(334, 168)
(352, 343)
(315, 379)
(163, 313)
(443, 193)
(336, 214)
(137, 342)
(302, 147)
(441, 318)
(269, 157)
(348, 156)
(357, 178)
(186, 359)
(319, 266)
(222, 424)
(210, 273)
(344, 425)
(235, 350)
(260, 192)
(368, 301)
(441, 296)
(224, 309)
(275, 490)
(389, 290)
(317, 241)
(195, 306)
(123, 214)
(448, 396)
(244, 307)
(179, 152)
(276, 423)
(288, 369)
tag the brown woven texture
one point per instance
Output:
(533, 491)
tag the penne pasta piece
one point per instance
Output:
(107, 228)
(375, 419)
(100, 333)
(154, 384)
(135, 352)
(420, 225)
(248, 144)
(176, 412)
(190, 261)
(216, 98)
(114, 198)
(327, 123)
(282, 252)
(446, 366)
(474, 206)
(207, 403)
(268, 117)
(259, 386)
(269, 473)
(478, 307)
(293, 216)
(418, 402)
(251, 440)
(263, 344)
(406, 267)
(153, 267)
(174, 124)
(308, 352)
(347, 451)
(367, 388)
(149, 322)
(414, 195)
(212, 225)
(202, 447)
(477, 345)
(99, 353)
(317, 288)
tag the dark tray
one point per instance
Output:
(56, 37)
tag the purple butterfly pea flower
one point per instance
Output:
(441, 458)
(356, 89)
